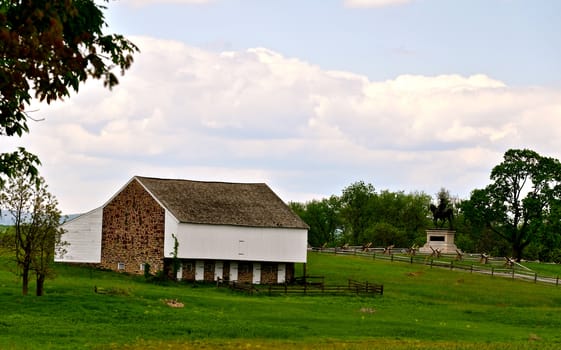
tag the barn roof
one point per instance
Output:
(222, 203)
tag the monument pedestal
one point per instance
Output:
(441, 239)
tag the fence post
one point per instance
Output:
(392, 257)
(373, 256)
(431, 263)
(557, 281)
(535, 277)
(452, 265)
(492, 270)
(471, 268)
(411, 259)
(513, 272)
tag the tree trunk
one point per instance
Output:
(517, 251)
(40, 283)
(25, 281)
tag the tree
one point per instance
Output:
(49, 47)
(323, 217)
(383, 234)
(406, 212)
(36, 227)
(522, 200)
(356, 209)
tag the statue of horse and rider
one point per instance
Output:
(442, 213)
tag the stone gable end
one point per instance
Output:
(133, 231)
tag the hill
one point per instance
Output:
(7, 220)
(421, 308)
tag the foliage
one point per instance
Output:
(357, 209)
(323, 217)
(361, 215)
(49, 47)
(176, 262)
(147, 273)
(385, 234)
(522, 204)
(36, 227)
(444, 199)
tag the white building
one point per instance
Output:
(231, 231)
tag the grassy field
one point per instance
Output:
(422, 308)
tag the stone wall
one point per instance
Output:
(133, 231)
(188, 270)
(269, 273)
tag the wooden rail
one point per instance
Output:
(353, 287)
(494, 267)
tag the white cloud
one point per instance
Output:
(373, 3)
(256, 115)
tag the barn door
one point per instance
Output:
(256, 273)
(179, 274)
(281, 273)
(233, 271)
(218, 270)
(199, 270)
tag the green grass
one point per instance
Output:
(422, 308)
(544, 269)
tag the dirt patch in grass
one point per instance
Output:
(174, 303)
(415, 273)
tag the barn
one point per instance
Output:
(232, 231)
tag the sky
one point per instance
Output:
(309, 97)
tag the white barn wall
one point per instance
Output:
(170, 227)
(83, 235)
(222, 242)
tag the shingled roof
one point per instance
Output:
(222, 203)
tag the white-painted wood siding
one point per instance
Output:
(83, 235)
(222, 242)
(256, 273)
(281, 273)
(199, 270)
(233, 276)
(218, 270)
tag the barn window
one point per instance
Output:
(120, 266)
(189, 267)
(209, 267)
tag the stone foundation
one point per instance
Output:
(246, 270)
(441, 239)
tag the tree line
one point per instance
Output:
(517, 215)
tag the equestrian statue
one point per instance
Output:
(442, 213)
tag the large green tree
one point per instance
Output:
(48, 47)
(323, 217)
(361, 215)
(357, 209)
(36, 230)
(520, 204)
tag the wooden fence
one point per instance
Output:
(494, 267)
(311, 285)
